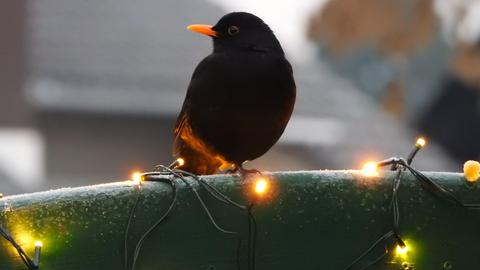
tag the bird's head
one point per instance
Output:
(240, 31)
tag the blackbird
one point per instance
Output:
(239, 100)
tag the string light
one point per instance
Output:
(261, 186)
(471, 171)
(402, 249)
(162, 173)
(137, 178)
(179, 162)
(421, 142)
(409, 266)
(38, 251)
(29, 263)
(399, 165)
(370, 169)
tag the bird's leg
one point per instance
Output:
(245, 172)
(233, 170)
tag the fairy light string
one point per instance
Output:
(170, 174)
(400, 165)
(252, 225)
(29, 263)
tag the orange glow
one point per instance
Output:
(225, 165)
(471, 171)
(136, 178)
(186, 135)
(370, 169)
(180, 161)
(261, 186)
(420, 142)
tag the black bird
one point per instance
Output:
(240, 97)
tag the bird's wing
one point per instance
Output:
(179, 127)
(182, 125)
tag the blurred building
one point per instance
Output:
(417, 58)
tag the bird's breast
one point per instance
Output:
(240, 104)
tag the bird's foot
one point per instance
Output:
(244, 173)
(231, 171)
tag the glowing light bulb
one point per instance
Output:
(420, 142)
(261, 186)
(401, 250)
(408, 266)
(370, 169)
(36, 256)
(136, 178)
(471, 171)
(180, 161)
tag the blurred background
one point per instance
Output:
(90, 90)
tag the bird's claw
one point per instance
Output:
(245, 172)
(232, 170)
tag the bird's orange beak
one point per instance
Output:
(203, 29)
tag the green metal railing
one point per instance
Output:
(305, 220)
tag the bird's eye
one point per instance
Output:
(233, 30)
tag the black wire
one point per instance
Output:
(438, 190)
(252, 224)
(400, 165)
(127, 229)
(220, 196)
(223, 198)
(384, 237)
(216, 194)
(239, 247)
(394, 203)
(199, 198)
(395, 212)
(158, 222)
(374, 261)
(209, 214)
(252, 238)
(396, 223)
(23, 256)
(212, 190)
(472, 206)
